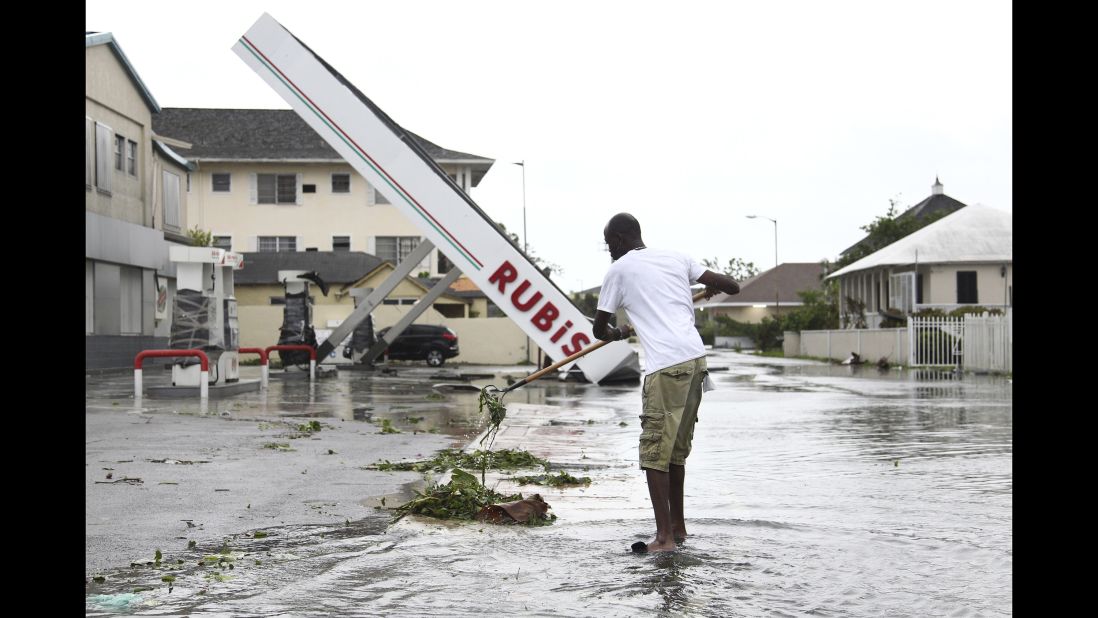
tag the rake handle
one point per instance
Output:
(557, 365)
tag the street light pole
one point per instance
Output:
(777, 300)
(525, 242)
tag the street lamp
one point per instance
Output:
(525, 244)
(777, 301)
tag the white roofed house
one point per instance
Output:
(963, 259)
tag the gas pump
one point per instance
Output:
(297, 315)
(204, 313)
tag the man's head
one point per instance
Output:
(622, 234)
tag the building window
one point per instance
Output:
(899, 288)
(277, 188)
(222, 183)
(131, 158)
(171, 200)
(119, 146)
(341, 243)
(450, 311)
(919, 289)
(131, 300)
(308, 188)
(395, 248)
(103, 173)
(966, 287)
(341, 183)
(223, 242)
(273, 244)
(444, 264)
(494, 311)
(379, 198)
(188, 182)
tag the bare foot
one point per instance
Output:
(655, 546)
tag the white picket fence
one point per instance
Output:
(976, 343)
(989, 343)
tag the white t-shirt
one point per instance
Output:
(653, 286)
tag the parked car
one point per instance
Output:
(433, 344)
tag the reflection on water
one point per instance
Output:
(812, 489)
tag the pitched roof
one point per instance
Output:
(92, 39)
(462, 288)
(463, 284)
(173, 156)
(788, 279)
(930, 206)
(270, 135)
(974, 234)
(332, 266)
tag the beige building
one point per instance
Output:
(265, 181)
(134, 207)
(963, 259)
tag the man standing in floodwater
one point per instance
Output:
(653, 286)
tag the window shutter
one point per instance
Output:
(299, 244)
(89, 152)
(103, 155)
(297, 195)
(171, 199)
(253, 189)
(253, 244)
(370, 199)
(371, 245)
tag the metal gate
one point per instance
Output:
(936, 342)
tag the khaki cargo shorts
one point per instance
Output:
(670, 398)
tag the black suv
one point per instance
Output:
(433, 344)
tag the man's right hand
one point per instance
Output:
(722, 283)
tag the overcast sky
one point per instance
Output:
(690, 115)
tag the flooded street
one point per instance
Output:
(811, 489)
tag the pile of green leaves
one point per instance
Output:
(505, 459)
(561, 479)
(462, 498)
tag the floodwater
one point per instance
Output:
(812, 490)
